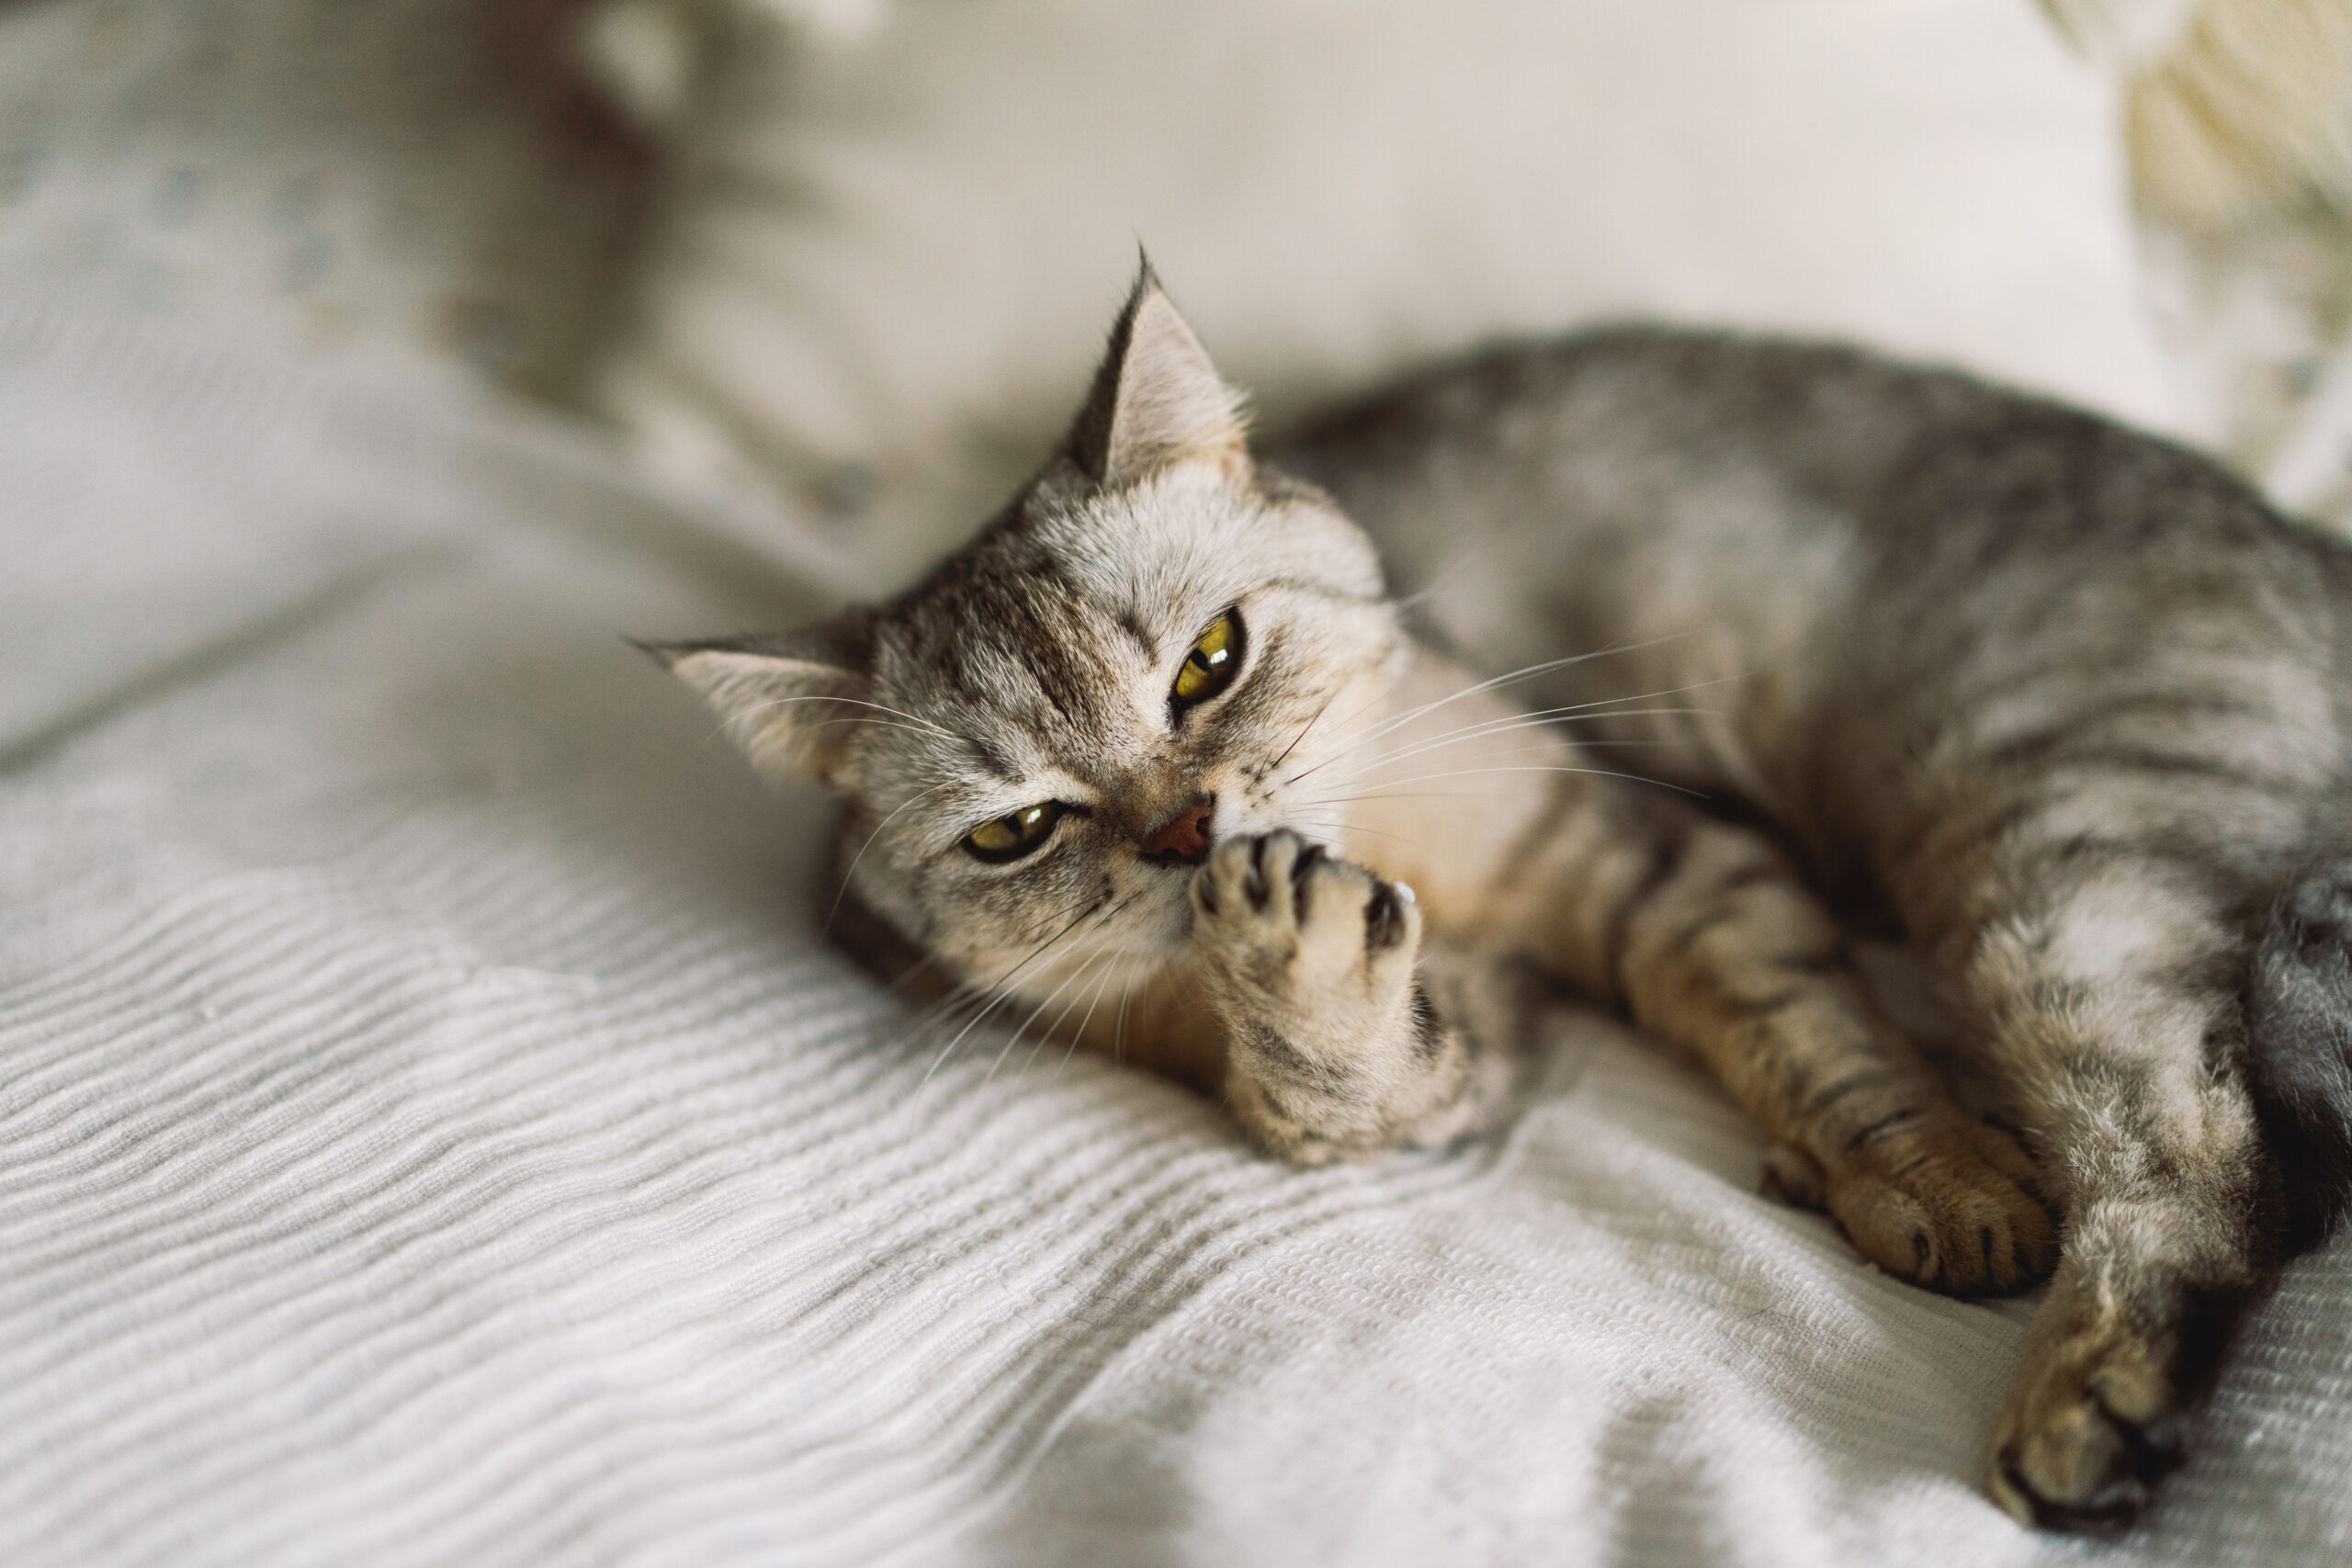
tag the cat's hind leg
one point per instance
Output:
(2107, 987)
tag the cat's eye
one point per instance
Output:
(1209, 667)
(1016, 833)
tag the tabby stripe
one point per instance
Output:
(1428, 1030)
(1666, 859)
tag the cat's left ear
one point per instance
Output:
(1157, 400)
(791, 702)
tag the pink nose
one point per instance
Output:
(1184, 839)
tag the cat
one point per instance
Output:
(1785, 629)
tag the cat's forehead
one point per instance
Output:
(1096, 586)
(1161, 550)
(1049, 641)
(1012, 662)
(1017, 638)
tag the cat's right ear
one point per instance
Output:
(790, 702)
(1156, 401)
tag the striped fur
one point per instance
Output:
(2062, 705)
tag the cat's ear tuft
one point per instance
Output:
(1157, 400)
(791, 702)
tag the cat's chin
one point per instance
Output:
(1169, 935)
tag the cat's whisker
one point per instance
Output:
(1366, 778)
(1346, 728)
(1002, 986)
(1585, 744)
(1525, 672)
(1595, 710)
(1102, 912)
(852, 872)
(1343, 828)
(1110, 967)
(1084, 961)
(1543, 718)
(921, 723)
(1500, 758)
(883, 724)
(958, 1005)
(1119, 1027)
(1022, 1030)
(1528, 768)
(972, 1012)
(1302, 733)
(1534, 748)
(1597, 704)
(1401, 794)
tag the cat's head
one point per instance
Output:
(1140, 656)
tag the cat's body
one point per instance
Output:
(1152, 758)
(1877, 583)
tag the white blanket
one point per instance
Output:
(430, 1130)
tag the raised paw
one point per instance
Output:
(1334, 1051)
(1942, 1203)
(2103, 1410)
(1309, 945)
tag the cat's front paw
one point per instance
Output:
(1309, 960)
(1300, 938)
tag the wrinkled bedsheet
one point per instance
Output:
(432, 1130)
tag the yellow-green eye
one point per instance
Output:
(1015, 833)
(1209, 667)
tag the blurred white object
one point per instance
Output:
(893, 247)
(2121, 34)
(419, 180)
(2238, 126)
(647, 55)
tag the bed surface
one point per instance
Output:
(431, 1128)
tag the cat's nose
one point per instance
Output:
(1184, 839)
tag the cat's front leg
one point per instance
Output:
(1336, 1047)
(1709, 938)
(1724, 951)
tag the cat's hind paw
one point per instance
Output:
(2103, 1410)
(1942, 1203)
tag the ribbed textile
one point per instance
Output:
(432, 1132)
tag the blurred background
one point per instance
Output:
(835, 267)
(431, 1126)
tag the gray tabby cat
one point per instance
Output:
(2063, 706)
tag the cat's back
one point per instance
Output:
(1824, 542)
(1630, 483)
(1621, 439)
(1684, 402)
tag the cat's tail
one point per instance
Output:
(2300, 1013)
